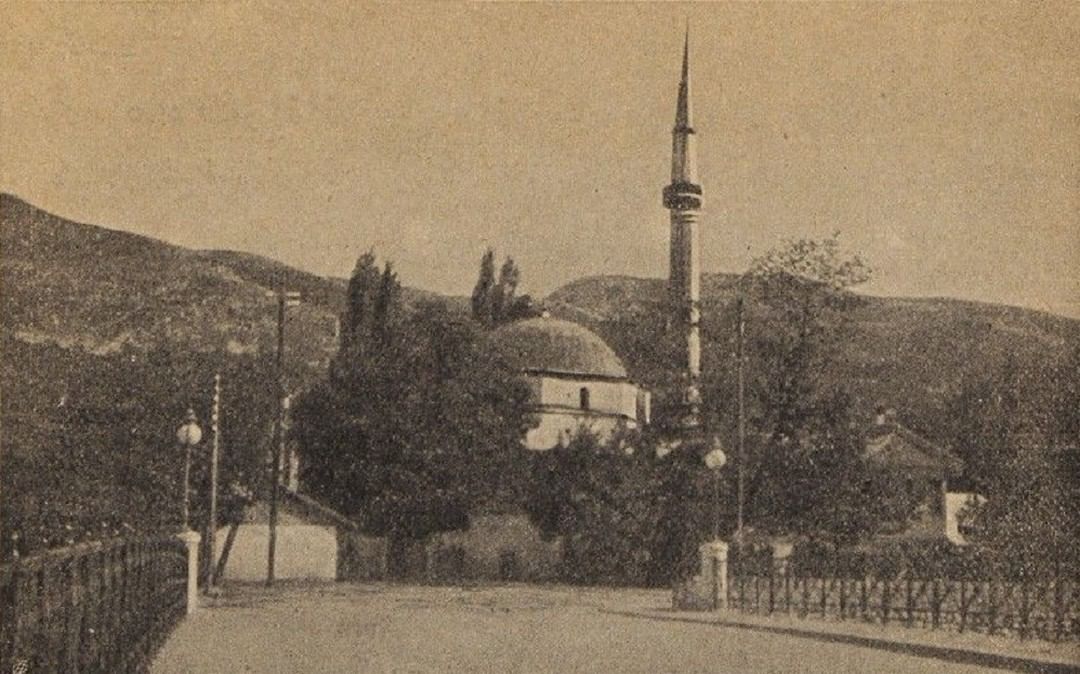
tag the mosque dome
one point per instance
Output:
(557, 346)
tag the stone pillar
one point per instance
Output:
(708, 589)
(714, 567)
(191, 539)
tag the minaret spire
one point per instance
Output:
(683, 199)
(682, 108)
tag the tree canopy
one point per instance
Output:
(418, 425)
(497, 302)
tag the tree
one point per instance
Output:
(1030, 522)
(605, 504)
(417, 430)
(503, 295)
(807, 475)
(985, 422)
(108, 465)
(1022, 454)
(386, 306)
(482, 309)
(1064, 426)
(357, 320)
(494, 304)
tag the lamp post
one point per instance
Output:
(285, 299)
(187, 436)
(715, 460)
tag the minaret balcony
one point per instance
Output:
(682, 196)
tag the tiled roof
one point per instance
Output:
(892, 444)
(557, 346)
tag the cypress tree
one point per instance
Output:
(482, 292)
(503, 295)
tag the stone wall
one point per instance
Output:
(495, 547)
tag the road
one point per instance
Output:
(388, 628)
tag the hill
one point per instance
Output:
(102, 290)
(106, 335)
(908, 353)
(105, 291)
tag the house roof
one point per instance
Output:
(894, 445)
(550, 345)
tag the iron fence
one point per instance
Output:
(1047, 609)
(94, 607)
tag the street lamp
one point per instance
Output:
(715, 459)
(187, 436)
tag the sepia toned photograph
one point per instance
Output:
(542, 337)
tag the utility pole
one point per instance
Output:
(742, 415)
(215, 425)
(284, 299)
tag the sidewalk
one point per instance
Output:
(1001, 652)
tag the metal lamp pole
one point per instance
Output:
(188, 435)
(714, 461)
(211, 529)
(742, 418)
(284, 299)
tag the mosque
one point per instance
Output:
(576, 381)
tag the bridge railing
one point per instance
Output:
(1047, 610)
(94, 607)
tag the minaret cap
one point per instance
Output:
(683, 120)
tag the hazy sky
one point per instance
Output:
(942, 141)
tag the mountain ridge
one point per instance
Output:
(104, 291)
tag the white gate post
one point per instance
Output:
(714, 562)
(191, 539)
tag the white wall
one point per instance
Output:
(547, 434)
(608, 397)
(955, 502)
(559, 413)
(303, 551)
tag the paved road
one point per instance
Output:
(385, 628)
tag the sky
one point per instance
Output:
(942, 141)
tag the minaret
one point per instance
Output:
(683, 198)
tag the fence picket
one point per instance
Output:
(85, 607)
(1028, 609)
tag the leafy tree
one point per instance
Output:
(105, 462)
(1023, 455)
(985, 422)
(1064, 426)
(482, 309)
(356, 322)
(806, 473)
(386, 306)
(503, 295)
(495, 303)
(604, 501)
(416, 431)
(1030, 521)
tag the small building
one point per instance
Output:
(926, 469)
(576, 381)
(313, 542)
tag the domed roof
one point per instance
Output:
(557, 346)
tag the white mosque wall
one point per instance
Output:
(565, 406)
(556, 426)
(604, 397)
